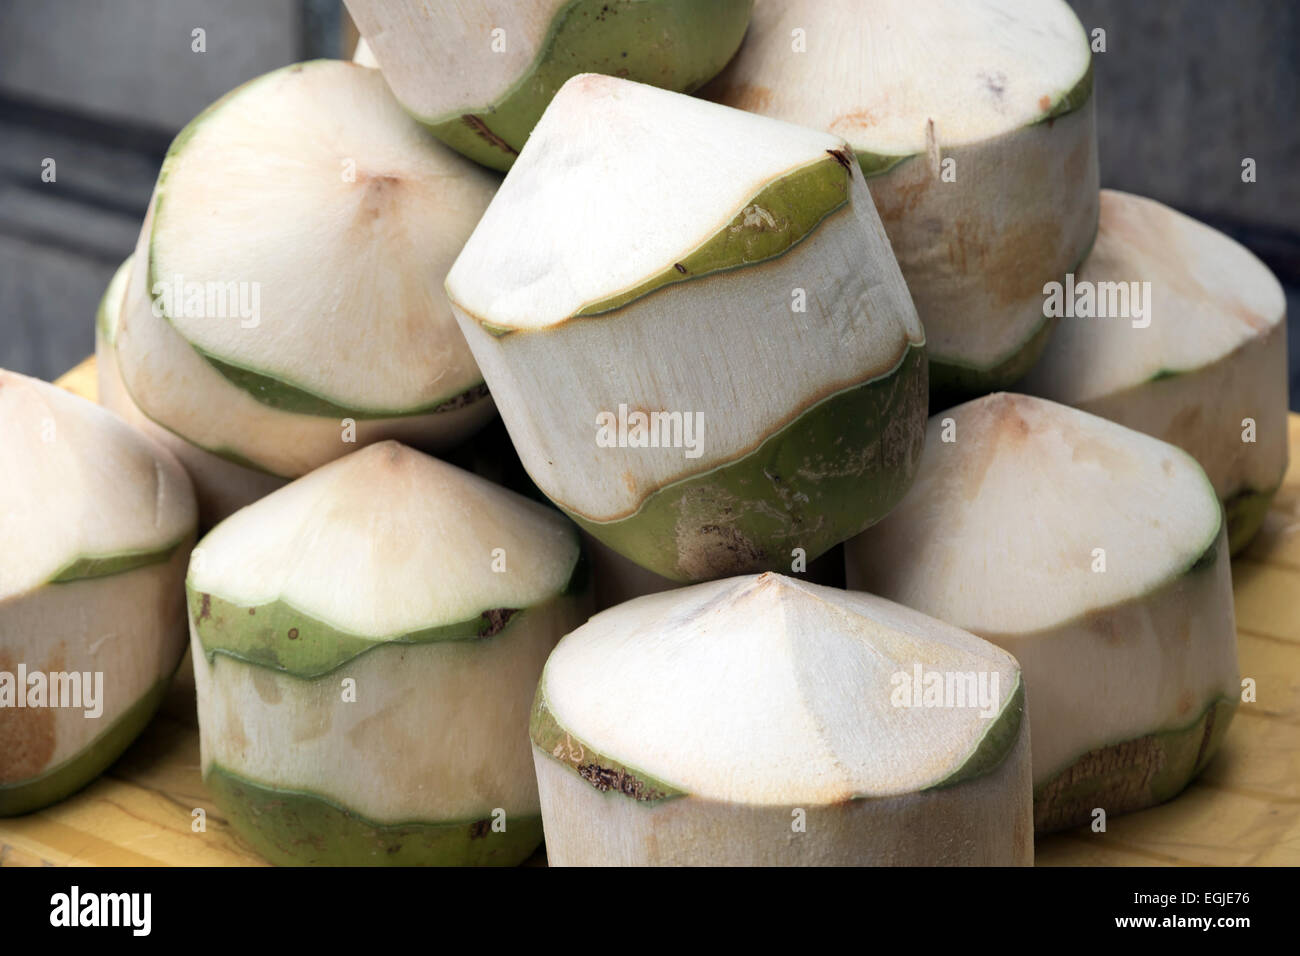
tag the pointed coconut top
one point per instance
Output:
(998, 531)
(876, 72)
(765, 690)
(624, 188)
(82, 494)
(310, 188)
(1209, 296)
(383, 544)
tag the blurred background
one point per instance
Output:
(1185, 90)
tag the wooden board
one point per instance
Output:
(1245, 809)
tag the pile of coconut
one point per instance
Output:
(837, 623)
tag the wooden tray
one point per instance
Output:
(1245, 809)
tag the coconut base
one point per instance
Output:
(1245, 513)
(297, 828)
(1133, 774)
(71, 775)
(953, 384)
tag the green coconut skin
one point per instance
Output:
(70, 776)
(98, 567)
(299, 828)
(282, 638)
(1245, 515)
(609, 775)
(1133, 774)
(830, 473)
(674, 44)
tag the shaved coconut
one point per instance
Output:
(366, 642)
(479, 73)
(1204, 364)
(220, 486)
(364, 56)
(973, 121)
(285, 289)
(761, 720)
(98, 522)
(634, 295)
(1098, 557)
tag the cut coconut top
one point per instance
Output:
(620, 183)
(387, 541)
(482, 47)
(998, 533)
(316, 222)
(110, 306)
(82, 494)
(877, 72)
(1209, 295)
(766, 690)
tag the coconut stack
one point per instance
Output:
(1184, 338)
(284, 304)
(1098, 557)
(695, 331)
(479, 73)
(761, 720)
(973, 122)
(98, 522)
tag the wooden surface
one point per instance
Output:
(1245, 809)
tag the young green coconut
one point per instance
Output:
(222, 486)
(284, 304)
(366, 643)
(764, 721)
(973, 122)
(1182, 336)
(695, 330)
(479, 73)
(1098, 557)
(96, 524)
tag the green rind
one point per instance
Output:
(1245, 515)
(111, 301)
(299, 828)
(794, 206)
(286, 397)
(835, 469)
(1132, 774)
(674, 44)
(78, 771)
(998, 740)
(600, 771)
(101, 567)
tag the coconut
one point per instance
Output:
(366, 644)
(1098, 557)
(284, 303)
(479, 73)
(97, 524)
(973, 122)
(763, 720)
(364, 56)
(1204, 360)
(221, 486)
(695, 330)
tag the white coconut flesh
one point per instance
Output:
(1209, 352)
(174, 386)
(684, 726)
(576, 294)
(221, 487)
(1001, 88)
(96, 532)
(437, 592)
(311, 186)
(364, 56)
(1093, 553)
